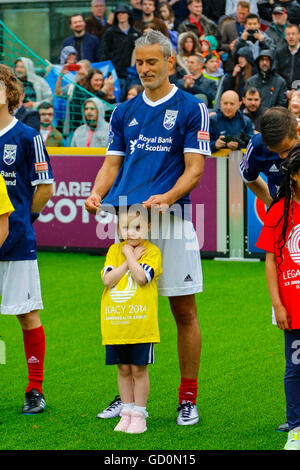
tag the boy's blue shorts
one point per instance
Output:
(138, 354)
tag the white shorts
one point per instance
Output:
(181, 262)
(20, 287)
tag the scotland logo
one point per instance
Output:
(9, 154)
(170, 119)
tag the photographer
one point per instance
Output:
(229, 127)
(253, 37)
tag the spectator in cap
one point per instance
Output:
(265, 9)
(97, 22)
(276, 30)
(212, 70)
(118, 44)
(271, 85)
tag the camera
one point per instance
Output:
(251, 33)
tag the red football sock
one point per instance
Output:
(34, 344)
(188, 390)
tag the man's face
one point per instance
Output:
(279, 18)
(148, 7)
(292, 36)
(77, 24)
(98, 9)
(285, 146)
(252, 101)
(194, 65)
(46, 116)
(252, 23)
(122, 17)
(196, 8)
(212, 65)
(152, 67)
(264, 63)
(241, 14)
(20, 70)
(295, 105)
(230, 105)
(91, 112)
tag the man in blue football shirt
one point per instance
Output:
(156, 156)
(25, 166)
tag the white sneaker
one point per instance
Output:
(293, 441)
(113, 410)
(188, 414)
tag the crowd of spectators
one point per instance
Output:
(239, 57)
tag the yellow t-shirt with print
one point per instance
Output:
(6, 206)
(129, 312)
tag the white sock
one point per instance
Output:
(140, 409)
(127, 406)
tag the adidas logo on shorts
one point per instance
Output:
(188, 278)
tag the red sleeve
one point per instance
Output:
(266, 240)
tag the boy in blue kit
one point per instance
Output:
(25, 166)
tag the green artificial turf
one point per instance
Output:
(241, 396)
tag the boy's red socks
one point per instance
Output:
(34, 344)
(188, 390)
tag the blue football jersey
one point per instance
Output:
(24, 163)
(152, 138)
(259, 159)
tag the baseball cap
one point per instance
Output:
(278, 10)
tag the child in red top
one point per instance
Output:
(280, 238)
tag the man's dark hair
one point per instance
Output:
(276, 124)
(251, 16)
(293, 26)
(251, 90)
(73, 16)
(45, 105)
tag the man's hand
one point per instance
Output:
(188, 81)
(158, 201)
(220, 143)
(29, 104)
(232, 145)
(258, 36)
(245, 35)
(92, 203)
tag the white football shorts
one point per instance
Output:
(181, 262)
(20, 287)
